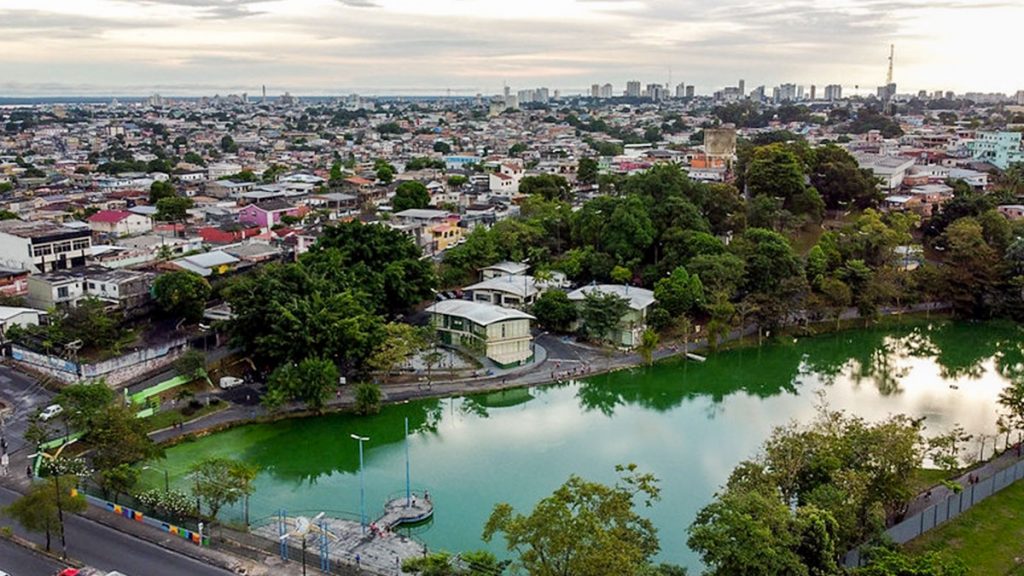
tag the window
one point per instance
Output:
(80, 244)
(62, 247)
(62, 292)
(44, 250)
(92, 285)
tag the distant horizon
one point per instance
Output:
(398, 47)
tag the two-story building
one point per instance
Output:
(500, 334)
(631, 326)
(509, 291)
(43, 246)
(267, 214)
(120, 223)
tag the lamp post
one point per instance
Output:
(408, 490)
(167, 480)
(362, 484)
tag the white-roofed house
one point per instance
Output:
(509, 291)
(17, 316)
(207, 264)
(632, 324)
(501, 334)
(503, 269)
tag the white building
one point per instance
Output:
(501, 334)
(42, 246)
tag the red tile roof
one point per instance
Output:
(109, 216)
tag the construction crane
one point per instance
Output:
(890, 89)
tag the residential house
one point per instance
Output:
(13, 282)
(999, 148)
(890, 170)
(1012, 211)
(501, 334)
(127, 289)
(628, 332)
(42, 246)
(510, 291)
(54, 289)
(119, 223)
(209, 264)
(267, 214)
(441, 237)
(15, 316)
(505, 180)
(503, 269)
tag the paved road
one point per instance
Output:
(18, 561)
(25, 396)
(107, 549)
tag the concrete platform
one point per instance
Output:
(378, 549)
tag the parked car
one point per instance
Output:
(51, 411)
(230, 382)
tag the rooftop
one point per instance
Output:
(513, 284)
(477, 312)
(639, 298)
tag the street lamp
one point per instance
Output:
(167, 481)
(362, 484)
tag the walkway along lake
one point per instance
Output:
(688, 423)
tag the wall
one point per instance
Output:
(115, 371)
(954, 505)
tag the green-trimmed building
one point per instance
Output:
(501, 334)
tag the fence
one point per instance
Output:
(115, 371)
(954, 505)
(190, 535)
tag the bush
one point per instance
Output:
(368, 398)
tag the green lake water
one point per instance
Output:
(688, 423)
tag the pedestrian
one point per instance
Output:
(4, 461)
(28, 470)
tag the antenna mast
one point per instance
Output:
(892, 52)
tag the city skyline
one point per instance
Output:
(322, 47)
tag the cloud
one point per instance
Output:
(320, 45)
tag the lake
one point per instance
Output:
(688, 423)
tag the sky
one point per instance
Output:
(424, 47)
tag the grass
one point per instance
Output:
(989, 537)
(165, 419)
(925, 478)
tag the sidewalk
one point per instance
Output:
(939, 492)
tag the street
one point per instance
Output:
(25, 396)
(18, 561)
(107, 549)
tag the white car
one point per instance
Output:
(230, 382)
(51, 411)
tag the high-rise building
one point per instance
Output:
(595, 91)
(526, 96)
(784, 93)
(950, 95)
(923, 94)
(886, 92)
(743, 87)
(690, 91)
(541, 95)
(799, 92)
(757, 94)
(937, 95)
(633, 89)
(1020, 97)
(655, 92)
(607, 91)
(833, 92)
(681, 90)
(814, 92)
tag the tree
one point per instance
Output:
(410, 194)
(159, 190)
(83, 403)
(550, 186)
(944, 449)
(42, 508)
(385, 173)
(310, 381)
(191, 364)
(837, 297)
(554, 310)
(517, 149)
(368, 397)
(173, 209)
(775, 171)
(586, 171)
(118, 480)
(648, 344)
(401, 341)
(601, 313)
(118, 437)
(584, 528)
(841, 182)
(442, 147)
(680, 292)
(465, 564)
(227, 144)
(970, 267)
(182, 293)
(769, 260)
(220, 481)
